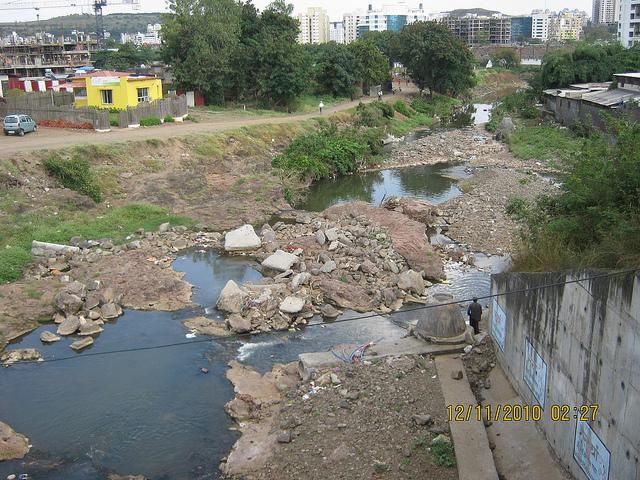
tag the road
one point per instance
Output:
(55, 138)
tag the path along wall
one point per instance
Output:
(576, 344)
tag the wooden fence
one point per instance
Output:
(54, 106)
(175, 106)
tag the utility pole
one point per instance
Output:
(97, 7)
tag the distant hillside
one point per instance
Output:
(115, 23)
(461, 12)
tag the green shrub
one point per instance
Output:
(403, 108)
(330, 151)
(74, 173)
(150, 121)
(114, 122)
(516, 207)
(169, 119)
(439, 105)
(386, 109)
(369, 116)
(190, 118)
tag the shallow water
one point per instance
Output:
(435, 183)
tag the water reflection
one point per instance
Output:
(435, 183)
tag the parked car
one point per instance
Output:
(19, 124)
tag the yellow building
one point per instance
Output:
(117, 90)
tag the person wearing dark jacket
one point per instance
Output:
(475, 315)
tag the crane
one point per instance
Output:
(97, 6)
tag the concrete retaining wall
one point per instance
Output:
(576, 344)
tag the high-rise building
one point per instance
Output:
(350, 24)
(480, 29)
(605, 11)
(540, 24)
(314, 26)
(629, 22)
(567, 25)
(336, 32)
(389, 17)
(520, 28)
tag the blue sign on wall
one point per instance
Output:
(535, 372)
(498, 324)
(590, 453)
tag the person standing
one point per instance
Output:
(321, 106)
(475, 315)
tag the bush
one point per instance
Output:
(74, 173)
(439, 105)
(114, 122)
(369, 116)
(443, 454)
(516, 207)
(169, 119)
(386, 109)
(150, 121)
(330, 151)
(403, 109)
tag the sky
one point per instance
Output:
(335, 7)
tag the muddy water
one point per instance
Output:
(435, 183)
(149, 412)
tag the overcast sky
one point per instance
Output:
(335, 7)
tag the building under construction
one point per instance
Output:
(36, 56)
(480, 30)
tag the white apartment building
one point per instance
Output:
(389, 16)
(540, 24)
(151, 37)
(336, 32)
(605, 11)
(314, 26)
(629, 22)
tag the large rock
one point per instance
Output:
(82, 343)
(243, 238)
(239, 324)
(20, 355)
(89, 328)
(328, 267)
(280, 260)
(415, 208)
(231, 298)
(411, 281)
(68, 302)
(12, 444)
(345, 295)
(206, 326)
(300, 279)
(292, 304)
(506, 128)
(69, 325)
(48, 337)
(110, 310)
(441, 324)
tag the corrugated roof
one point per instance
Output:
(610, 98)
(630, 74)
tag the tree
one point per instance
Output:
(387, 41)
(505, 57)
(335, 69)
(372, 67)
(199, 38)
(127, 57)
(436, 59)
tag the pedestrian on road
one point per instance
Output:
(321, 106)
(380, 95)
(475, 315)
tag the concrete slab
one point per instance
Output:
(521, 452)
(473, 455)
(310, 362)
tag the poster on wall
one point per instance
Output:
(498, 324)
(105, 81)
(535, 372)
(590, 453)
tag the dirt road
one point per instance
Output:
(53, 138)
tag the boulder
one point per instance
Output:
(320, 237)
(506, 128)
(48, 337)
(331, 234)
(68, 303)
(345, 295)
(300, 279)
(92, 300)
(328, 267)
(110, 310)
(20, 355)
(329, 311)
(179, 243)
(239, 324)
(280, 261)
(243, 238)
(231, 298)
(69, 325)
(12, 444)
(206, 326)
(411, 281)
(82, 343)
(163, 227)
(292, 304)
(89, 328)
